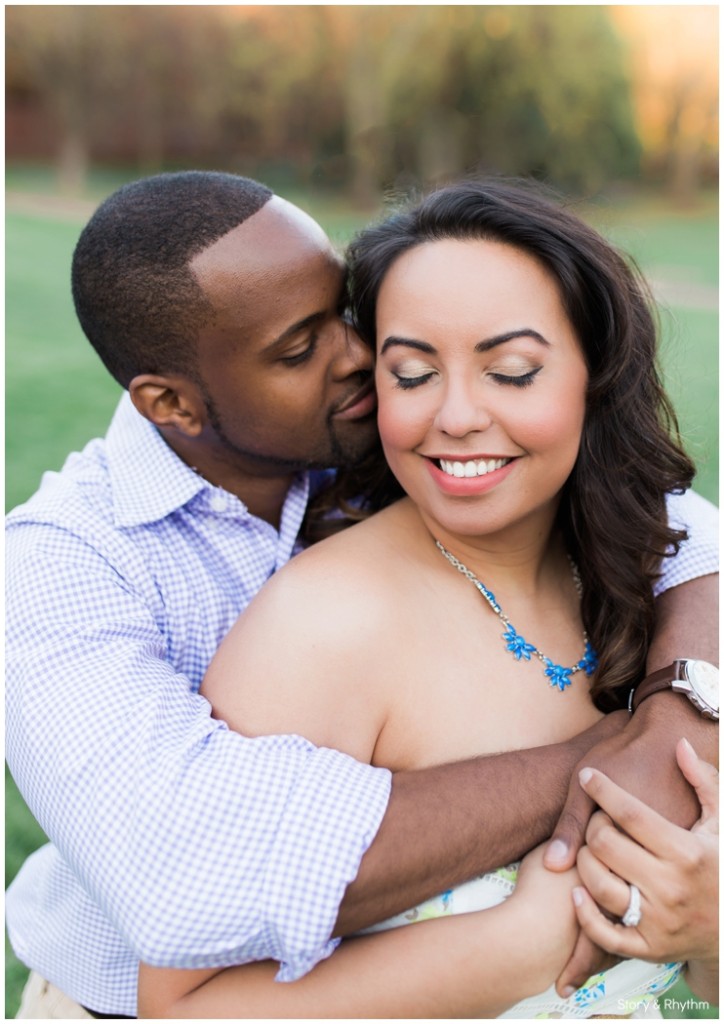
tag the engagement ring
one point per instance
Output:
(633, 911)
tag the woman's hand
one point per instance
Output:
(544, 898)
(675, 871)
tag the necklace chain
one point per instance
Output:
(558, 675)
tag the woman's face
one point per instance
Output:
(481, 384)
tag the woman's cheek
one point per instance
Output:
(396, 419)
(554, 419)
(402, 432)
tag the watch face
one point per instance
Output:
(704, 678)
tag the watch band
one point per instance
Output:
(659, 680)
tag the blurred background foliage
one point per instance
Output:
(368, 99)
(343, 109)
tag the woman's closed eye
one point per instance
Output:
(409, 380)
(517, 380)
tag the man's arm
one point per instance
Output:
(199, 845)
(446, 824)
(687, 623)
(458, 966)
(687, 618)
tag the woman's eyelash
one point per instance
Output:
(302, 357)
(522, 380)
(410, 382)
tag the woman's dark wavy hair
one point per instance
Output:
(613, 509)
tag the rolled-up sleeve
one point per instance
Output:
(698, 555)
(202, 847)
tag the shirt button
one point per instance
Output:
(217, 503)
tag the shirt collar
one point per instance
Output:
(148, 479)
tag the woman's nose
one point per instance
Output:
(462, 409)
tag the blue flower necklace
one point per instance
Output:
(558, 675)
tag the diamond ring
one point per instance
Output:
(632, 917)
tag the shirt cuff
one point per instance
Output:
(309, 869)
(699, 554)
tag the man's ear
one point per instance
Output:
(171, 401)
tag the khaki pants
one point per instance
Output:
(43, 1001)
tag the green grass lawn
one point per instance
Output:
(58, 395)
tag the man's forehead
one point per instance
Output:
(276, 235)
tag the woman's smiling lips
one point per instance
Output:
(358, 405)
(464, 475)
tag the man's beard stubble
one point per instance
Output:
(336, 456)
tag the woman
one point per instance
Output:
(521, 414)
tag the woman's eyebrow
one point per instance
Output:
(421, 346)
(500, 339)
(482, 346)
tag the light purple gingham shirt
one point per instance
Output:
(175, 840)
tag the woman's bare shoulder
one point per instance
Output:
(365, 548)
(320, 598)
(300, 658)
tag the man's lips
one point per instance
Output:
(360, 403)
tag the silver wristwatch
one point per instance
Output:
(698, 680)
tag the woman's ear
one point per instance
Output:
(171, 401)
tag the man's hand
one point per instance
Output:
(642, 760)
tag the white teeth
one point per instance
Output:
(477, 467)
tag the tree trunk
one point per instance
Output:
(72, 164)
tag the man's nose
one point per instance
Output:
(353, 354)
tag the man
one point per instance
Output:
(219, 307)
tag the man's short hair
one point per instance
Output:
(136, 298)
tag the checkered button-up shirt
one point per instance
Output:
(174, 839)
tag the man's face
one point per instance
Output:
(287, 382)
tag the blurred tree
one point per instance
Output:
(673, 53)
(370, 41)
(283, 91)
(58, 51)
(426, 92)
(169, 76)
(371, 96)
(138, 82)
(517, 90)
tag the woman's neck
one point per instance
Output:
(524, 555)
